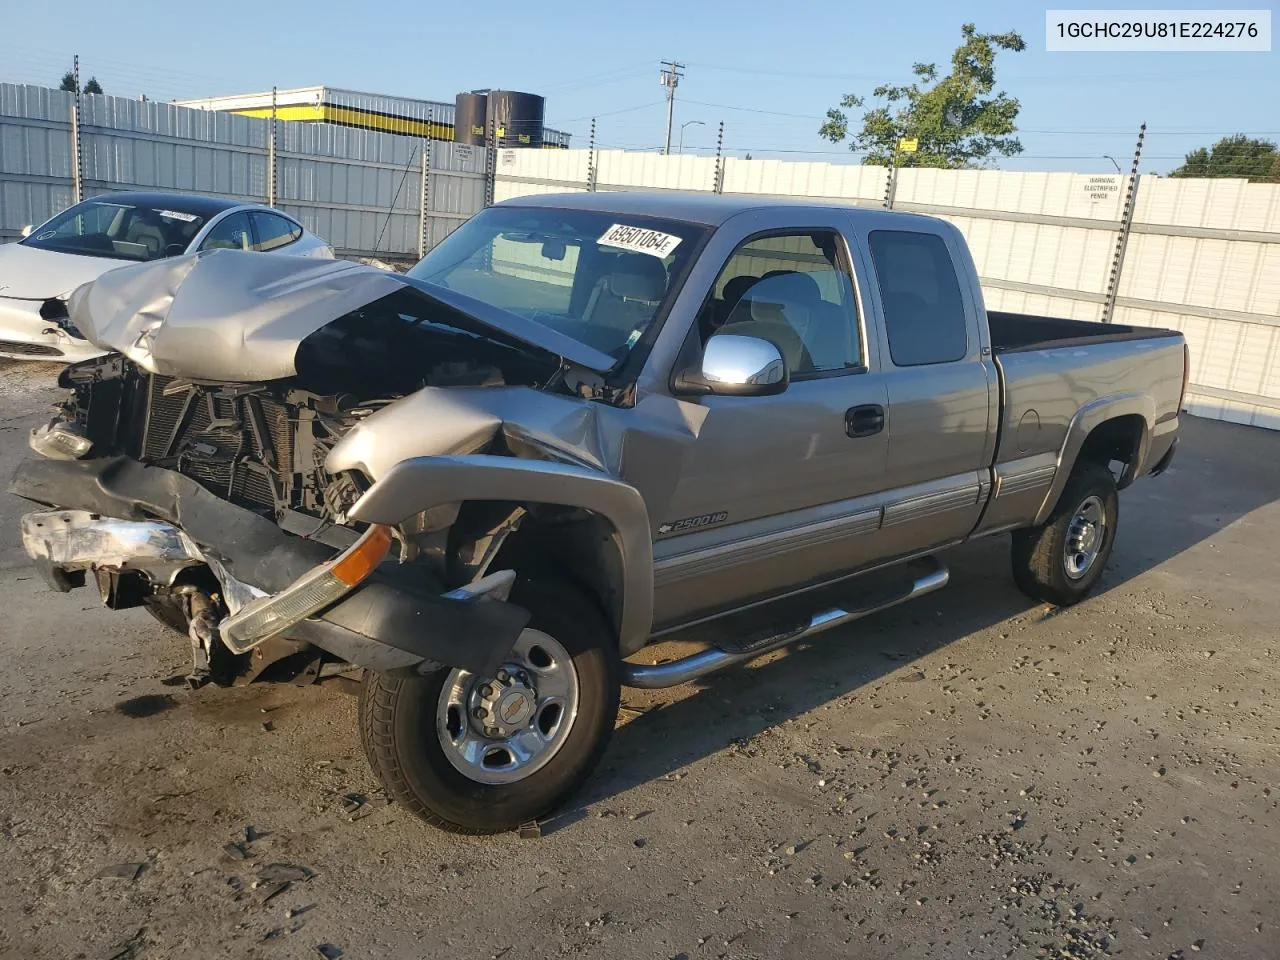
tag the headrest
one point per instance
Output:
(736, 287)
(638, 276)
(812, 292)
(782, 296)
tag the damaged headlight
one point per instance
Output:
(313, 591)
(60, 440)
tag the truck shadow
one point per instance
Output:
(1222, 473)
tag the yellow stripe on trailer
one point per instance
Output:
(352, 117)
(302, 112)
(389, 124)
(364, 119)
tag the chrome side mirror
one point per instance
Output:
(737, 366)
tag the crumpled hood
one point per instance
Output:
(27, 273)
(221, 314)
(239, 316)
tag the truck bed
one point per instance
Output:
(1012, 332)
(1052, 369)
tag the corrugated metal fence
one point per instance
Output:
(1203, 256)
(359, 189)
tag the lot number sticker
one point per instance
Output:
(639, 240)
(175, 215)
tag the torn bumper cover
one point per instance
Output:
(377, 621)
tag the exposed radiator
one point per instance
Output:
(212, 440)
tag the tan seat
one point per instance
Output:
(628, 296)
(777, 308)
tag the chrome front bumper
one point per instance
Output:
(62, 543)
(75, 540)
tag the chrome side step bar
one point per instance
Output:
(657, 675)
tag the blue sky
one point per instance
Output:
(768, 70)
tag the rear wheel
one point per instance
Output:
(1061, 561)
(477, 754)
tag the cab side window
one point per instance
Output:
(923, 309)
(793, 290)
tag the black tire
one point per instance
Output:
(398, 726)
(1040, 556)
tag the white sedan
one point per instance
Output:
(38, 273)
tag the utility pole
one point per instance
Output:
(670, 78)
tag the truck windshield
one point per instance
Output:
(125, 231)
(599, 278)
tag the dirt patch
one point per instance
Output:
(147, 705)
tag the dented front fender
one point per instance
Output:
(418, 484)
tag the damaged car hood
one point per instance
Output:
(233, 315)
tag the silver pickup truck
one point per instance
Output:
(581, 424)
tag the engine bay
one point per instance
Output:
(263, 446)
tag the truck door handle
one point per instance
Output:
(864, 420)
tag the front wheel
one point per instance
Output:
(477, 754)
(1061, 561)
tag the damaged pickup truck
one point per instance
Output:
(580, 425)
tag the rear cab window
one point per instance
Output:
(920, 294)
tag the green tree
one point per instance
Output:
(954, 119)
(69, 84)
(1234, 156)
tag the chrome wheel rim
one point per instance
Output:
(501, 729)
(1085, 536)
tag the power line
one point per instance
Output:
(1034, 78)
(117, 73)
(772, 113)
(610, 113)
(58, 56)
(631, 69)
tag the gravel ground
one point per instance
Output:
(968, 776)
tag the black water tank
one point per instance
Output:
(469, 117)
(516, 118)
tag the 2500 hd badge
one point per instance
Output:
(689, 523)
